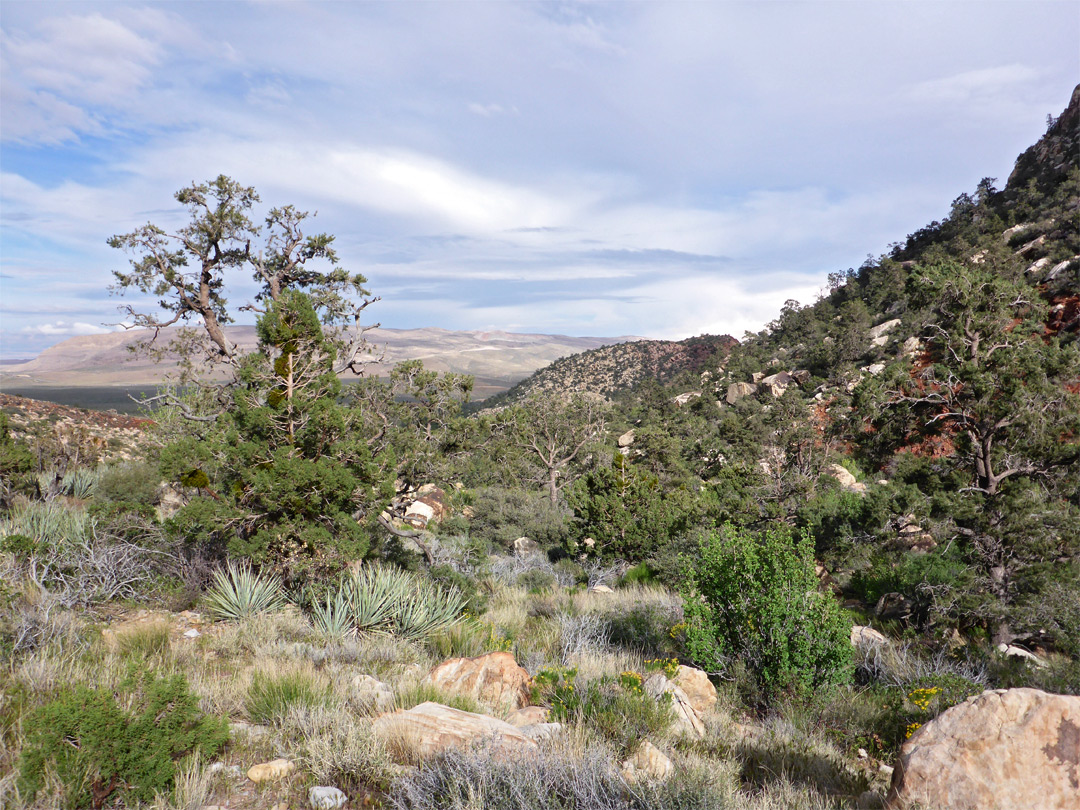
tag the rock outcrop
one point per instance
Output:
(687, 720)
(698, 688)
(1006, 749)
(494, 678)
(429, 728)
(648, 763)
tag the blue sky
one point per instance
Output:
(658, 169)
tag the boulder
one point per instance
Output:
(801, 376)
(1038, 265)
(600, 589)
(866, 638)
(1032, 246)
(541, 731)
(737, 391)
(845, 478)
(429, 728)
(1012, 651)
(883, 329)
(698, 688)
(494, 678)
(326, 798)
(529, 716)
(373, 693)
(777, 384)
(687, 720)
(1006, 749)
(270, 771)
(682, 399)
(649, 763)
(912, 346)
(626, 439)
(874, 369)
(523, 547)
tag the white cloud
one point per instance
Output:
(67, 329)
(976, 85)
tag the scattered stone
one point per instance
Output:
(493, 678)
(698, 688)
(270, 771)
(1031, 246)
(737, 391)
(649, 763)
(541, 731)
(1038, 265)
(1006, 749)
(883, 329)
(528, 716)
(424, 730)
(866, 638)
(686, 718)
(192, 633)
(326, 798)
(874, 369)
(523, 547)
(912, 346)
(373, 693)
(600, 589)
(626, 439)
(1012, 651)
(777, 384)
(845, 478)
(682, 399)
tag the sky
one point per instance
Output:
(586, 168)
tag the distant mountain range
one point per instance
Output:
(497, 360)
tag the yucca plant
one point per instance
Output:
(239, 593)
(49, 523)
(334, 617)
(375, 599)
(79, 483)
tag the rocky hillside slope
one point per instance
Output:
(611, 369)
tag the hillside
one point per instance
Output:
(612, 369)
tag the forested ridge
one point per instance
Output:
(850, 521)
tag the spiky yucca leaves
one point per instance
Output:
(239, 593)
(387, 600)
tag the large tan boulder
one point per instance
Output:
(271, 771)
(1006, 749)
(494, 678)
(698, 688)
(649, 763)
(687, 720)
(529, 716)
(429, 728)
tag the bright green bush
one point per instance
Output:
(98, 750)
(755, 597)
(134, 482)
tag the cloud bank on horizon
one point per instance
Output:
(658, 169)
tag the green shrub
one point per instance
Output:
(616, 707)
(97, 750)
(134, 482)
(269, 697)
(501, 516)
(756, 597)
(536, 580)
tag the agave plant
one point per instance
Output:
(79, 483)
(429, 609)
(239, 593)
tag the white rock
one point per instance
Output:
(884, 328)
(1011, 651)
(192, 633)
(600, 589)
(326, 798)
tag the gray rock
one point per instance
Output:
(326, 798)
(737, 391)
